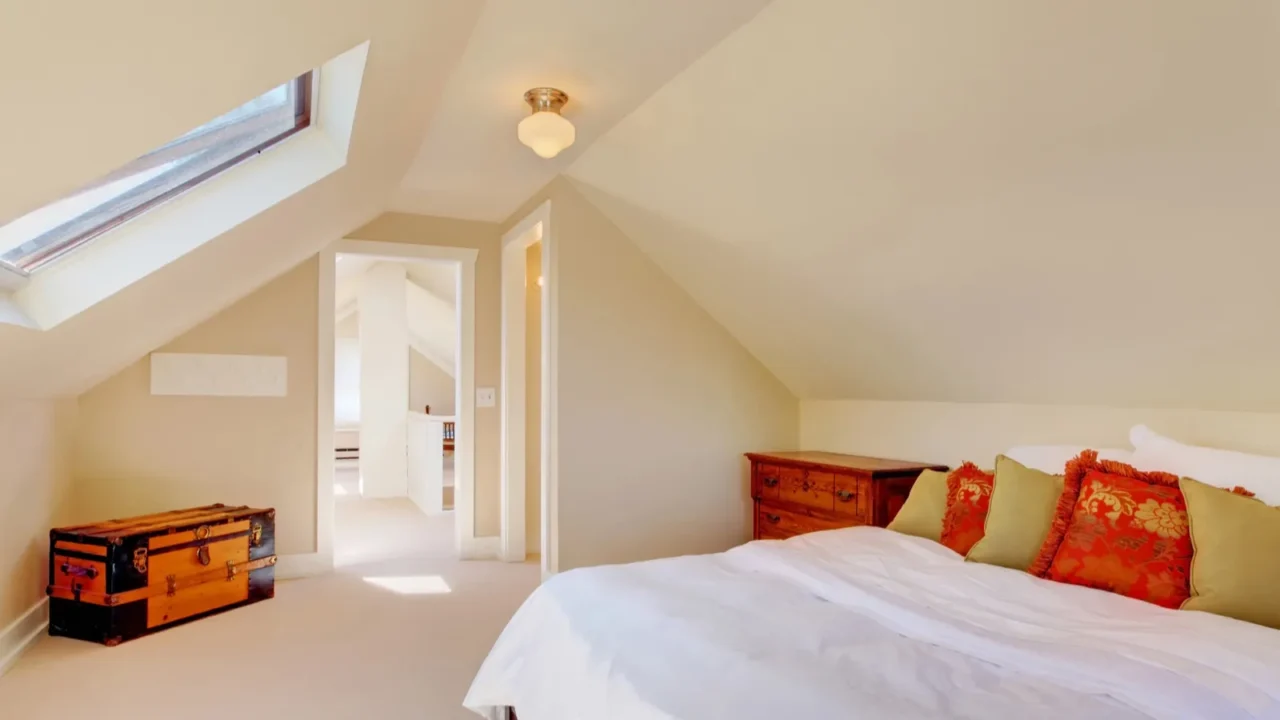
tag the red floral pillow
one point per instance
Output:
(1122, 530)
(968, 500)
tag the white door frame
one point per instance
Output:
(536, 227)
(464, 465)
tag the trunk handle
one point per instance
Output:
(79, 571)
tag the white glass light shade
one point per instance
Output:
(546, 133)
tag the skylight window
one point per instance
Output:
(42, 236)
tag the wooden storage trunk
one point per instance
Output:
(121, 579)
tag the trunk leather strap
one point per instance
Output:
(171, 586)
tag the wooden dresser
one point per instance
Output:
(800, 492)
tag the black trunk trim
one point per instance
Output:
(199, 543)
(80, 556)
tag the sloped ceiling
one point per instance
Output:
(438, 278)
(431, 294)
(608, 55)
(994, 200)
(91, 89)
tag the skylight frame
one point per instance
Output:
(301, 95)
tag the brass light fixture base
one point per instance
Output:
(546, 99)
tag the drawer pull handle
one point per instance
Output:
(773, 518)
(771, 482)
(844, 495)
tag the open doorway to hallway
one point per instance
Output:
(533, 284)
(529, 415)
(396, 393)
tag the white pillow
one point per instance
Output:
(1053, 459)
(1220, 468)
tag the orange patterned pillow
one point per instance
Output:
(968, 500)
(1122, 530)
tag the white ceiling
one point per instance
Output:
(994, 200)
(608, 55)
(117, 79)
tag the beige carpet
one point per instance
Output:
(347, 645)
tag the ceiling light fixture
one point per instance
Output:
(545, 131)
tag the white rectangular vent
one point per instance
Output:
(219, 375)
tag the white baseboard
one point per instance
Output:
(482, 548)
(294, 567)
(22, 633)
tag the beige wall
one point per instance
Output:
(429, 385)
(139, 453)
(954, 432)
(657, 402)
(486, 237)
(533, 399)
(34, 497)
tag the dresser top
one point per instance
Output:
(839, 461)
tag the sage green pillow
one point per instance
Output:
(1235, 570)
(1023, 502)
(921, 515)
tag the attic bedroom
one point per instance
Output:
(551, 359)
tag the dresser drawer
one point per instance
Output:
(769, 478)
(810, 488)
(852, 495)
(774, 522)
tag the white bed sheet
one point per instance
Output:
(863, 623)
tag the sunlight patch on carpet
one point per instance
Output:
(412, 584)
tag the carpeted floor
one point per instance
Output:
(397, 632)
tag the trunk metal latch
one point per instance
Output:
(202, 553)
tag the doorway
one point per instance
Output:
(529, 418)
(395, 417)
(395, 399)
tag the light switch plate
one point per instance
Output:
(486, 397)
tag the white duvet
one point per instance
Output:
(863, 623)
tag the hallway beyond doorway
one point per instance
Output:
(376, 529)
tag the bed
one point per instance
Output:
(862, 623)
